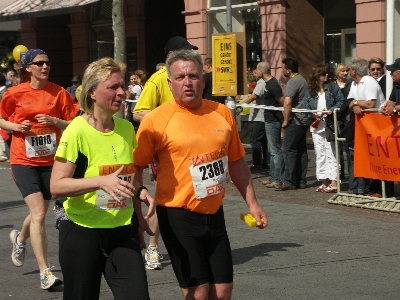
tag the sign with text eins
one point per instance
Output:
(224, 73)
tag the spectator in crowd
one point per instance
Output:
(273, 120)
(295, 125)
(159, 66)
(155, 93)
(12, 79)
(258, 138)
(137, 80)
(376, 69)
(195, 142)
(101, 231)
(323, 96)
(76, 81)
(365, 93)
(207, 92)
(341, 74)
(392, 107)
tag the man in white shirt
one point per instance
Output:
(366, 93)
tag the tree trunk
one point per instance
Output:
(119, 38)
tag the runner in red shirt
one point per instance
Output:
(40, 110)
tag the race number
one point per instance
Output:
(209, 178)
(40, 145)
(105, 201)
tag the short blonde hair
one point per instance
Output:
(98, 71)
(339, 68)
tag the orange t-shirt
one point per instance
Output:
(192, 150)
(36, 147)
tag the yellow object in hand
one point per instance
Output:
(249, 219)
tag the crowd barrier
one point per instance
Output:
(340, 197)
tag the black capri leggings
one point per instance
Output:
(87, 253)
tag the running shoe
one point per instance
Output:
(321, 188)
(18, 253)
(48, 280)
(152, 258)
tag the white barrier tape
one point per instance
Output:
(293, 109)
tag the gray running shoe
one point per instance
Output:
(152, 258)
(48, 280)
(18, 253)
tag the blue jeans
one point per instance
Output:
(277, 167)
(295, 156)
(259, 145)
(357, 185)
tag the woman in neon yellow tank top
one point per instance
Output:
(94, 169)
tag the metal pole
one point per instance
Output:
(389, 42)
(228, 16)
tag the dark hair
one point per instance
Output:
(142, 76)
(313, 82)
(291, 63)
(2, 80)
(208, 61)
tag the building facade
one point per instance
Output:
(313, 31)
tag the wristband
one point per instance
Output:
(140, 189)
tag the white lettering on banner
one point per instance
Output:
(106, 202)
(209, 178)
(40, 145)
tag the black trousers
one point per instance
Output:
(88, 253)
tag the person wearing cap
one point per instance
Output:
(392, 106)
(76, 81)
(155, 93)
(40, 110)
(195, 142)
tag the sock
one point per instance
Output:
(22, 245)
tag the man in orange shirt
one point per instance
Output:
(195, 142)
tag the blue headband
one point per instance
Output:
(28, 56)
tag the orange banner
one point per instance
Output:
(377, 147)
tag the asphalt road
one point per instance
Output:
(310, 250)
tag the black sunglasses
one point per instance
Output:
(40, 63)
(373, 69)
(324, 73)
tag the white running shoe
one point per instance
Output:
(18, 253)
(152, 258)
(48, 280)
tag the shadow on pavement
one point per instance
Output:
(243, 255)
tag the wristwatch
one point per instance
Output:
(394, 109)
(355, 103)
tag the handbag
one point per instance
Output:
(330, 128)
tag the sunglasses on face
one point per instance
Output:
(324, 73)
(373, 69)
(40, 63)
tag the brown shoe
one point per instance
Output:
(265, 182)
(284, 187)
(272, 185)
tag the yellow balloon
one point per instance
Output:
(78, 92)
(17, 52)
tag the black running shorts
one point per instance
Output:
(31, 179)
(198, 246)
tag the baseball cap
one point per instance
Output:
(178, 42)
(394, 66)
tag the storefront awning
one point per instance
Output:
(25, 9)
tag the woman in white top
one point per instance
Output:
(137, 80)
(323, 96)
